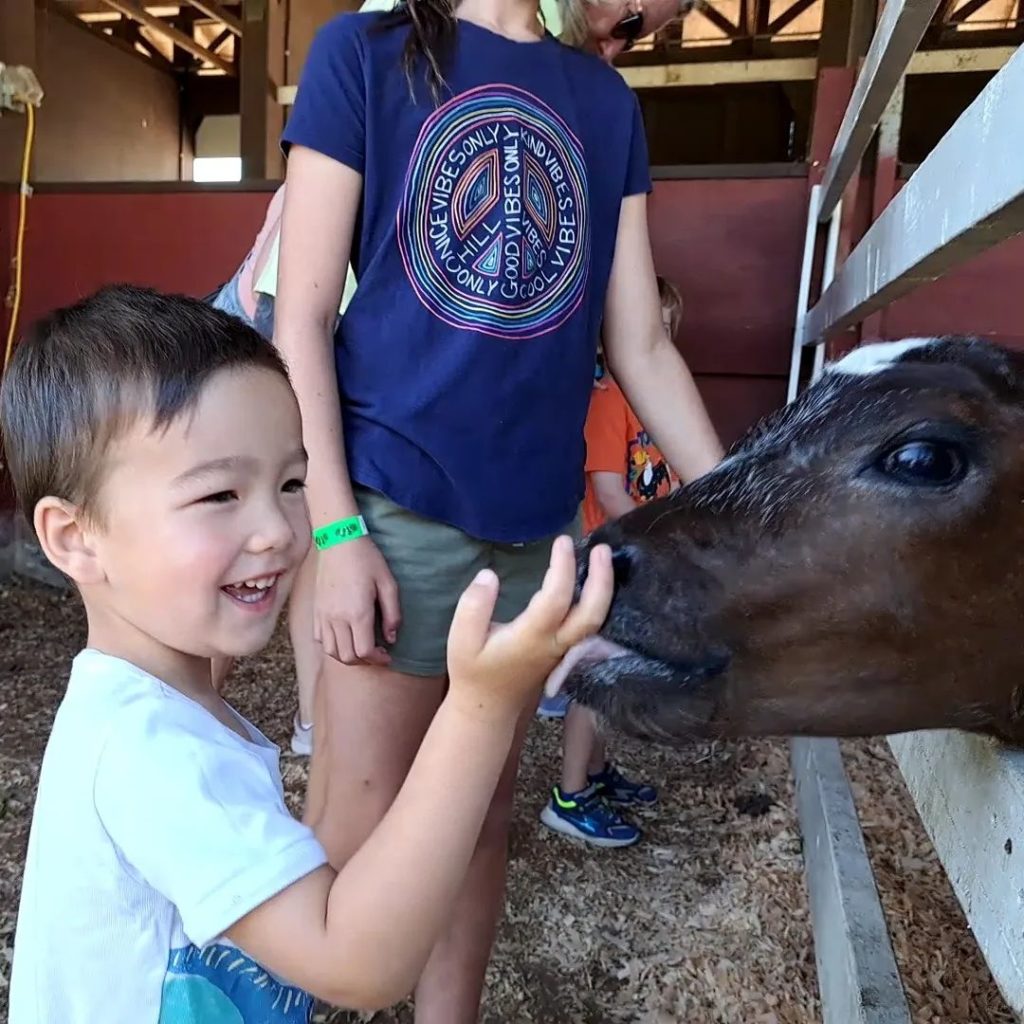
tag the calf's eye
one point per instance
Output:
(924, 464)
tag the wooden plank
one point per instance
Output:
(727, 172)
(967, 196)
(218, 13)
(130, 9)
(969, 792)
(940, 62)
(775, 69)
(75, 188)
(899, 33)
(726, 72)
(857, 973)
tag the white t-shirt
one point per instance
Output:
(155, 829)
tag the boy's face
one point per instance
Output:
(205, 524)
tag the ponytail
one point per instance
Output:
(431, 40)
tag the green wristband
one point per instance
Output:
(340, 532)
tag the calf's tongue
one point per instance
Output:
(587, 652)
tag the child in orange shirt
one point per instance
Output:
(624, 469)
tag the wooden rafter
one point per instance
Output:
(789, 15)
(939, 29)
(214, 10)
(968, 10)
(719, 20)
(131, 9)
(219, 40)
(749, 13)
(131, 32)
(155, 60)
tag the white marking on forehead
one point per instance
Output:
(869, 359)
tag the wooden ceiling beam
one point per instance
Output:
(131, 9)
(214, 10)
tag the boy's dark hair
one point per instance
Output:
(85, 374)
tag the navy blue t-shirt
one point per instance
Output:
(482, 251)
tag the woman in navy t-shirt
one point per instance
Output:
(489, 185)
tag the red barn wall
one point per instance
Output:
(732, 246)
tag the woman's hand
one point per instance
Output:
(352, 581)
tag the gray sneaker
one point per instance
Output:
(302, 738)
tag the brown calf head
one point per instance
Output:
(855, 566)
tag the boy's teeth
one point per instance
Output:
(261, 583)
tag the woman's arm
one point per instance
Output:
(643, 359)
(320, 208)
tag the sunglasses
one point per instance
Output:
(629, 28)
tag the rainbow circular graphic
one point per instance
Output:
(494, 226)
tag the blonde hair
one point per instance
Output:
(672, 301)
(575, 28)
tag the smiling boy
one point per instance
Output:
(156, 446)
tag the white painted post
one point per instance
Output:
(804, 292)
(900, 30)
(967, 196)
(858, 979)
(828, 273)
(969, 792)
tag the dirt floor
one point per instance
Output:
(705, 922)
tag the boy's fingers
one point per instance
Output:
(595, 601)
(471, 623)
(548, 606)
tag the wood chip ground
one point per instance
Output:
(705, 922)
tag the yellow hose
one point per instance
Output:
(19, 249)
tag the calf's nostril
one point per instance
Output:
(624, 559)
(623, 564)
(581, 576)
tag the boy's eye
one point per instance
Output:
(294, 486)
(220, 498)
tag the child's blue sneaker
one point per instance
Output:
(553, 707)
(614, 787)
(586, 816)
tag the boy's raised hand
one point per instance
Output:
(361, 938)
(495, 668)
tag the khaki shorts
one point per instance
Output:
(433, 563)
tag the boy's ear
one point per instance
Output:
(66, 541)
